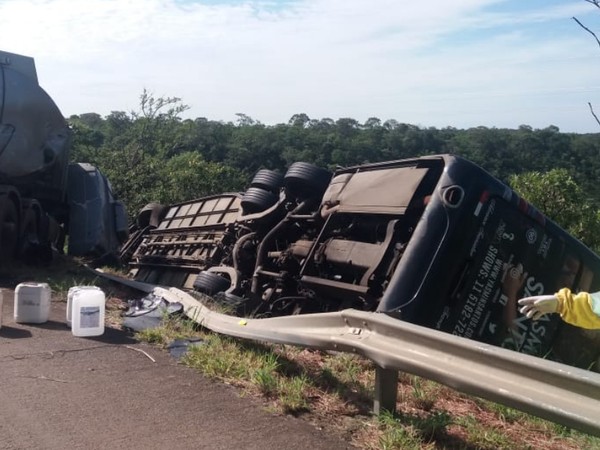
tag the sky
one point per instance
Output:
(437, 63)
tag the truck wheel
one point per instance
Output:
(9, 229)
(269, 180)
(210, 283)
(30, 236)
(256, 200)
(306, 180)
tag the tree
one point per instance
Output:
(244, 120)
(299, 120)
(596, 3)
(558, 196)
(155, 130)
(132, 148)
(188, 176)
(372, 122)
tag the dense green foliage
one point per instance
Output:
(154, 155)
(558, 195)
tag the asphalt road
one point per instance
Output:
(58, 391)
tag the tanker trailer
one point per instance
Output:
(42, 196)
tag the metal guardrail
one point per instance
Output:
(557, 392)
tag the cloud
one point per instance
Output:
(458, 62)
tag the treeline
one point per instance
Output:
(154, 155)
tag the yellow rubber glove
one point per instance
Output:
(538, 305)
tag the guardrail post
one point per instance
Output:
(386, 390)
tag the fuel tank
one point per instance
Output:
(34, 136)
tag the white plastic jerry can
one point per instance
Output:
(88, 307)
(71, 293)
(32, 302)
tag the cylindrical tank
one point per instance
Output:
(34, 136)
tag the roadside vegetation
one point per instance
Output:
(331, 390)
(334, 392)
(170, 159)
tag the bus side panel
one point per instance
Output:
(467, 264)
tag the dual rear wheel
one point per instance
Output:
(9, 229)
(302, 180)
(21, 234)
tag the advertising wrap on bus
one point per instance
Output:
(477, 256)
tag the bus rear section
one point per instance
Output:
(477, 249)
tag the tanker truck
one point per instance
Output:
(43, 197)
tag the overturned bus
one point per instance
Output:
(435, 240)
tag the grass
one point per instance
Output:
(412, 431)
(265, 377)
(423, 394)
(334, 390)
(393, 435)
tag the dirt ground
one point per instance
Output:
(59, 391)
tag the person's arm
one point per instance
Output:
(581, 310)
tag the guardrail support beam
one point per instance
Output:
(386, 390)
